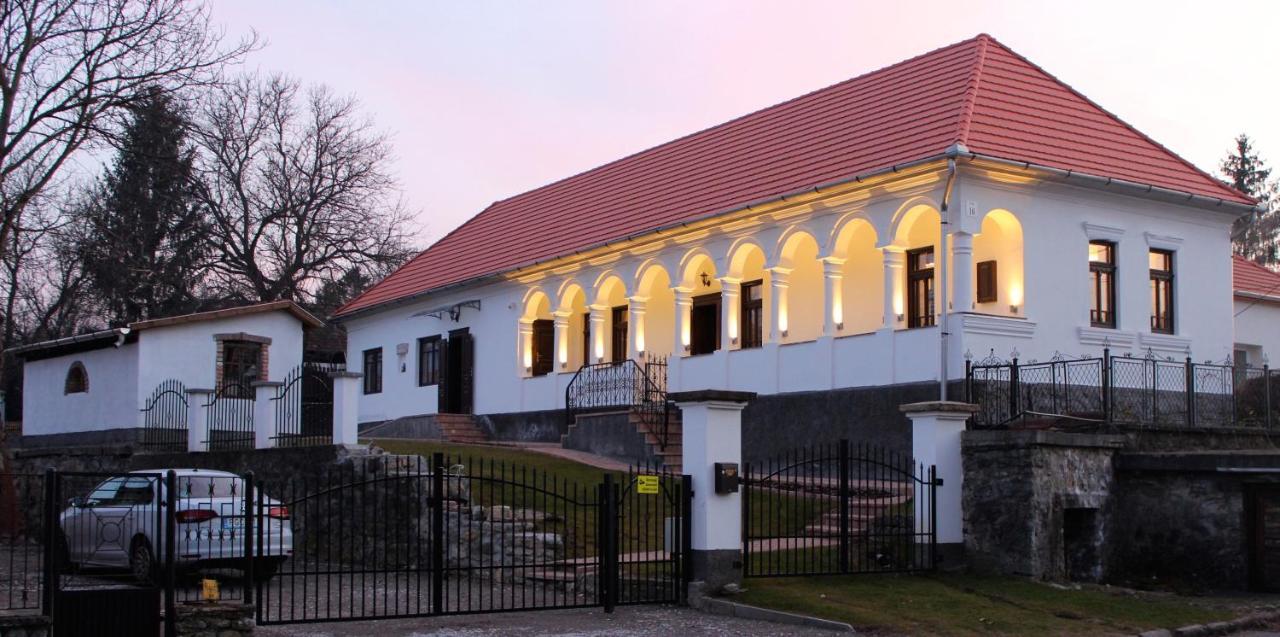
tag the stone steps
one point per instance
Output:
(460, 428)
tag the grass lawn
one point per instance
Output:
(971, 605)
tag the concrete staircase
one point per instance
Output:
(460, 428)
(627, 436)
(863, 509)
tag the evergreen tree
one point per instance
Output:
(147, 239)
(1255, 236)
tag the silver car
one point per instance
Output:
(120, 524)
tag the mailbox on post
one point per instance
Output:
(726, 477)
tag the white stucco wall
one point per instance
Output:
(110, 403)
(1049, 288)
(188, 351)
(1258, 330)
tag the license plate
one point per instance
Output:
(233, 523)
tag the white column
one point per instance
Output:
(730, 306)
(198, 419)
(962, 271)
(562, 339)
(636, 345)
(712, 422)
(684, 303)
(264, 413)
(597, 333)
(833, 296)
(895, 300)
(346, 407)
(524, 361)
(935, 442)
(778, 307)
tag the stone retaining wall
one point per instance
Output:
(24, 626)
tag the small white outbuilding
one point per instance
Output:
(1257, 313)
(90, 388)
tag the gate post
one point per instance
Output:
(198, 419)
(712, 422)
(52, 502)
(346, 407)
(264, 413)
(935, 441)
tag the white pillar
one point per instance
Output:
(712, 422)
(524, 362)
(895, 301)
(684, 305)
(833, 296)
(264, 413)
(636, 345)
(346, 407)
(730, 306)
(597, 333)
(935, 442)
(780, 279)
(962, 271)
(562, 339)
(198, 419)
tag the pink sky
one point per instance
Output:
(485, 100)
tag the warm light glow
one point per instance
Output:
(1015, 293)
(782, 319)
(897, 303)
(639, 336)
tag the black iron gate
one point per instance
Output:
(165, 417)
(406, 538)
(838, 508)
(304, 405)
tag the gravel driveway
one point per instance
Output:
(628, 621)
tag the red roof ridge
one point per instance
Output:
(1117, 118)
(971, 93)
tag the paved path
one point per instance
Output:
(628, 621)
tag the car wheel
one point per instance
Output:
(142, 562)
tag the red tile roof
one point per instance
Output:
(1251, 278)
(977, 92)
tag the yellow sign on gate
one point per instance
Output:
(209, 590)
(647, 485)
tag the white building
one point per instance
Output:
(1257, 314)
(818, 246)
(92, 387)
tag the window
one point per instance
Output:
(751, 316)
(619, 344)
(373, 371)
(429, 361)
(704, 324)
(987, 282)
(77, 380)
(920, 287)
(1161, 291)
(240, 361)
(1102, 284)
(544, 343)
(586, 338)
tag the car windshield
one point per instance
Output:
(122, 491)
(197, 486)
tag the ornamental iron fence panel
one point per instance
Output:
(623, 385)
(164, 417)
(838, 508)
(304, 406)
(1122, 390)
(229, 415)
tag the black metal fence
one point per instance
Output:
(164, 417)
(838, 508)
(466, 535)
(1122, 390)
(641, 388)
(304, 406)
(397, 536)
(229, 415)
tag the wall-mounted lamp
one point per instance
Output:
(733, 341)
(840, 326)
(528, 370)
(901, 316)
(687, 348)
(784, 333)
(1013, 308)
(706, 280)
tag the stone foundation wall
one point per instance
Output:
(214, 620)
(24, 626)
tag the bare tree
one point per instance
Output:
(69, 67)
(298, 188)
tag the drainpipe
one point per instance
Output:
(123, 332)
(942, 260)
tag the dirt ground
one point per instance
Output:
(627, 621)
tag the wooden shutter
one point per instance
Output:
(986, 282)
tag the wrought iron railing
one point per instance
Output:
(640, 388)
(1122, 390)
(230, 418)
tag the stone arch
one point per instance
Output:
(572, 349)
(695, 263)
(800, 311)
(77, 381)
(654, 333)
(861, 300)
(741, 256)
